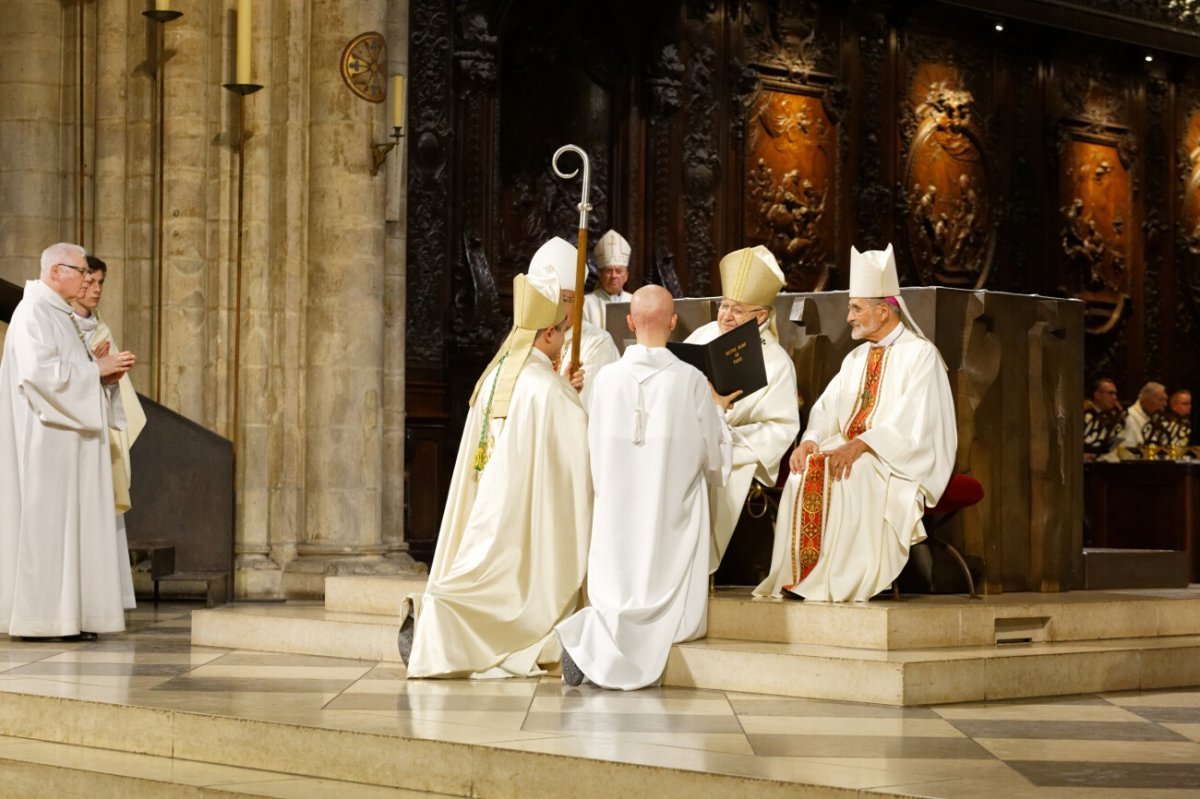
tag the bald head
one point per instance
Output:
(652, 315)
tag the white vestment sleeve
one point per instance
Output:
(61, 393)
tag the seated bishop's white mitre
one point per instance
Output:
(873, 275)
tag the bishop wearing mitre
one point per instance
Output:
(513, 544)
(878, 450)
(765, 423)
(612, 253)
(596, 347)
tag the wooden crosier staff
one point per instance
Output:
(581, 258)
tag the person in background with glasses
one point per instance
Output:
(100, 340)
(60, 565)
(764, 423)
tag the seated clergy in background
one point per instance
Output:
(763, 424)
(596, 348)
(612, 257)
(512, 548)
(1179, 418)
(656, 441)
(878, 450)
(1103, 422)
(1152, 399)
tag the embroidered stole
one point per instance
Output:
(808, 510)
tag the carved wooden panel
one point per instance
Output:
(948, 188)
(791, 177)
(1095, 203)
(1189, 222)
(1096, 217)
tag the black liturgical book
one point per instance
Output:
(731, 361)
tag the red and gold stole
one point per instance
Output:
(860, 420)
(808, 519)
(808, 510)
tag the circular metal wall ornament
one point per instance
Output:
(364, 66)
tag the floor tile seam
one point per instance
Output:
(352, 683)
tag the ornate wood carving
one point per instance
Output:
(793, 142)
(791, 177)
(1096, 198)
(872, 194)
(1189, 217)
(701, 164)
(947, 181)
(428, 178)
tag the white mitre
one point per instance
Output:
(612, 250)
(555, 259)
(873, 275)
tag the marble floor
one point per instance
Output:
(1132, 744)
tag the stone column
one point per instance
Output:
(37, 129)
(395, 296)
(344, 313)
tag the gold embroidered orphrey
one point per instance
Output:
(364, 66)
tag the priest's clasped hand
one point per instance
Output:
(113, 366)
(577, 379)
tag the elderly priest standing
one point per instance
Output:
(656, 441)
(513, 544)
(61, 564)
(763, 423)
(878, 450)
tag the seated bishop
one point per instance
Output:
(512, 548)
(879, 448)
(612, 253)
(656, 441)
(765, 423)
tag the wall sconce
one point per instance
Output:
(380, 151)
(162, 12)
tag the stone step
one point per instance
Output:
(897, 677)
(925, 677)
(939, 621)
(371, 764)
(298, 628)
(920, 622)
(377, 594)
(41, 768)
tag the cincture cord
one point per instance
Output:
(79, 332)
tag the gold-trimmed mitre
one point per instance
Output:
(751, 276)
(536, 306)
(612, 250)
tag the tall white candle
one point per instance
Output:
(245, 14)
(397, 101)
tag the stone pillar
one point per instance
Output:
(344, 313)
(194, 368)
(37, 129)
(395, 296)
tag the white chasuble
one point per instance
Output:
(60, 561)
(595, 306)
(512, 548)
(596, 350)
(847, 540)
(656, 441)
(764, 424)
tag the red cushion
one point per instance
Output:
(963, 491)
